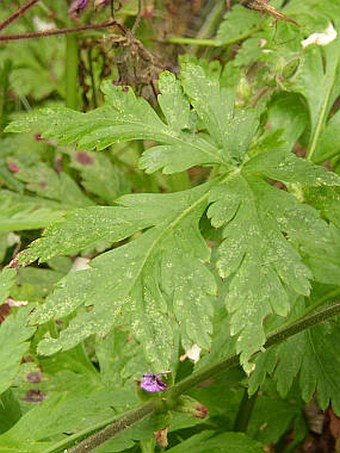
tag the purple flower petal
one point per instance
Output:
(34, 377)
(151, 383)
(34, 396)
(76, 8)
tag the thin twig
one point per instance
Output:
(138, 18)
(17, 13)
(61, 31)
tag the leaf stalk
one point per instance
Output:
(158, 405)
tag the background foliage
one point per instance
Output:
(169, 191)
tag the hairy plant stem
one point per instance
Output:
(169, 398)
(115, 428)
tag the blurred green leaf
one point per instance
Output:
(220, 443)
(99, 175)
(317, 80)
(7, 281)
(10, 411)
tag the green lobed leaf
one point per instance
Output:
(175, 106)
(159, 280)
(237, 24)
(150, 283)
(87, 227)
(258, 257)
(230, 128)
(124, 118)
(311, 356)
(279, 164)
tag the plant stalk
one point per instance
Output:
(277, 336)
(115, 428)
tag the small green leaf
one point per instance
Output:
(232, 130)
(238, 24)
(287, 113)
(7, 281)
(14, 336)
(173, 103)
(282, 165)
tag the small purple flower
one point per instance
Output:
(151, 383)
(34, 396)
(34, 377)
(76, 8)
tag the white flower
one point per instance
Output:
(193, 354)
(80, 264)
(321, 39)
(41, 25)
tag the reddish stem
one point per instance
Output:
(61, 31)
(17, 13)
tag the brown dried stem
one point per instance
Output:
(17, 13)
(62, 31)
